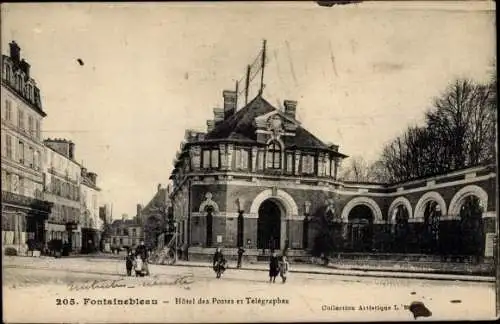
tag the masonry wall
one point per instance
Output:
(382, 232)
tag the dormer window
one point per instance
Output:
(273, 156)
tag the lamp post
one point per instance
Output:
(240, 203)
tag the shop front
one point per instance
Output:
(23, 221)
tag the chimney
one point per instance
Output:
(334, 147)
(84, 172)
(71, 150)
(218, 115)
(290, 108)
(210, 125)
(159, 187)
(15, 52)
(139, 210)
(25, 67)
(93, 177)
(229, 103)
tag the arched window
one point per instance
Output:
(273, 155)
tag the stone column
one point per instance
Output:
(223, 156)
(320, 164)
(254, 158)
(337, 165)
(260, 159)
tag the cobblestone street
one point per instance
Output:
(82, 284)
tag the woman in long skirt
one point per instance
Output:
(274, 267)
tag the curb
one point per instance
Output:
(369, 273)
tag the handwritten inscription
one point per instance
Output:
(183, 281)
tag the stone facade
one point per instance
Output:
(126, 233)
(90, 222)
(23, 209)
(62, 180)
(257, 179)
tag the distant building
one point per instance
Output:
(153, 216)
(62, 178)
(126, 233)
(24, 211)
(91, 223)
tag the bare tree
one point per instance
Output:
(357, 169)
(460, 131)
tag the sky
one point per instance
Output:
(360, 73)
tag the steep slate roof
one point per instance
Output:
(158, 199)
(240, 126)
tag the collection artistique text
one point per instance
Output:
(359, 308)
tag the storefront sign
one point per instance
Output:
(71, 226)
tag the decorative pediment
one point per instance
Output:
(287, 123)
(275, 125)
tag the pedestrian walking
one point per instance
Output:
(274, 267)
(284, 267)
(219, 263)
(240, 256)
(129, 263)
(142, 253)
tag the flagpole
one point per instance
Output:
(263, 65)
(236, 105)
(247, 84)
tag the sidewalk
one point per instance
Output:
(331, 270)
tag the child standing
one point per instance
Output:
(129, 263)
(284, 267)
(138, 266)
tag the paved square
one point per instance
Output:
(87, 289)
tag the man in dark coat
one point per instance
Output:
(219, 262)
(274, 267)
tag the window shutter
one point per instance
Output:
(260, 160)
(269, 160)
(206, 159)
(215, 158)
(244, 159)
(289, 163)
(237, 159)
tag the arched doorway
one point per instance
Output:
(471, 227)
(269, 225)
(360, 220)
(432, 216)
(400, 227)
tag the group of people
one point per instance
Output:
(277, 265)
(138, 261)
